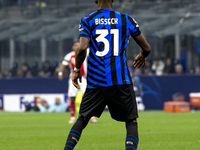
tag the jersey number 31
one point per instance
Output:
(102, 38)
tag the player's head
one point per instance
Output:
(97, 1)
(75, 46)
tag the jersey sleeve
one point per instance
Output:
(133, 27)
(84, 29)
(66, 59)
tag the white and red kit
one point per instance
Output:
(69, 60)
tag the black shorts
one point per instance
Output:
(120, 100)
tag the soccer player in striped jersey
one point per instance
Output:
(106, 32)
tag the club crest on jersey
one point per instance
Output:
(106, 21)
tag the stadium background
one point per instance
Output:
(34, 31)
(39, 30)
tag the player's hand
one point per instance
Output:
(75, 77)
(139, 61)
(60, 77)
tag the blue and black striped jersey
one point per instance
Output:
(108, 32)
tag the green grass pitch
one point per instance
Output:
(48, 131)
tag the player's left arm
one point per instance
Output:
(81, 53)
(140, 59)
(140, 39)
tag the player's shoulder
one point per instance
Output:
(128, 16)
(119, 13)
(123, 14)
(87, 17)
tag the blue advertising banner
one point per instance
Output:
(156, 89)
(35, 85)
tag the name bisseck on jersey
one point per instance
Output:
(106, 21)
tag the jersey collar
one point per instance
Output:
(105, 9)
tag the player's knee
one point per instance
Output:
(134, 121)
(72, 99)
(84, 121)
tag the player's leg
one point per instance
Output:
(92, 105)
(122, 106)
(75, 132)
(83, 86)
(131, 135)
(72, 109)
(72, 91)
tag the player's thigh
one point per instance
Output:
(93, 103)
(122, 103)
(72, 90)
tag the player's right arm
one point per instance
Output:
(81, 52)
(80, 57)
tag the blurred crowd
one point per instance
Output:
(163, 67)
(50, 69)
(44, 3)
(25, 70)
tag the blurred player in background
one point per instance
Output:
(69, 60)
(108, 79)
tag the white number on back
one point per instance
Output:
(102, 38)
